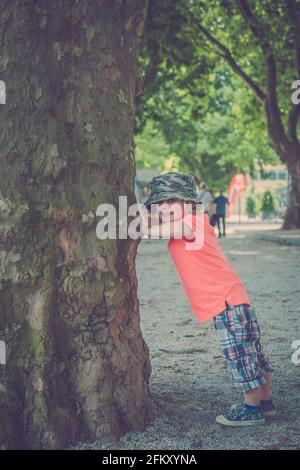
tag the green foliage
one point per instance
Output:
(170, 60)
(195, 108)
(251, 207)
(267, 204)
(213, 148)
(223, 19)
(151, 147)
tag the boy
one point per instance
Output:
(215, 292)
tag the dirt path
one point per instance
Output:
(189, 383)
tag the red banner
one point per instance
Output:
(237, 185)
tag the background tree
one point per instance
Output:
(188, 43)
(77, 365)
(266, 57)
(251, 207)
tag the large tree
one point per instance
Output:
(77, 365)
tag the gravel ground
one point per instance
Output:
(189, 383)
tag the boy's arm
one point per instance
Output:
(175, 229)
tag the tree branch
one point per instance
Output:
(266, 48)
(292, 123)
(275, 125)
(226, 54)
(293, 10)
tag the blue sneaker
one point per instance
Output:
(240, 415)
(268, 408)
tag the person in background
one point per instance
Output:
(212, 211)
(221, 201)
(205, 197)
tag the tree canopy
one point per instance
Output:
(218, 83)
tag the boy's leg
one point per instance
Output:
(266, 389)
(239, 335)
(266, 402)
(253, 397)
(262, 397)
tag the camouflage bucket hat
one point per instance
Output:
(172, 185)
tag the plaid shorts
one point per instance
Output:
(239, 335)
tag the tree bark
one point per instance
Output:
(77, 367)
(288, 149)
(292, 217)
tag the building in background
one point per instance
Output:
(273, 178)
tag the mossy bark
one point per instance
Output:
(77, 365)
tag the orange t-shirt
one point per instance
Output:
(206, 275)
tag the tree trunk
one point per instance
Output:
(77, 367)
(292, 217)
(288, 150)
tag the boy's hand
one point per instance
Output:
(188, 232)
